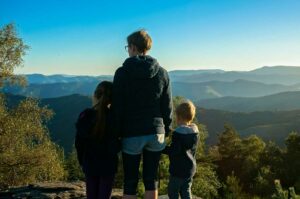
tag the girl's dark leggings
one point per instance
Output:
(98, 187)
(131, 165)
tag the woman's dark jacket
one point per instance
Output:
(142, 100)
(97, 157)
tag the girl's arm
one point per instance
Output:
(117, 100)
(79, 145)
(82, 126)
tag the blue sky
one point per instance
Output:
(88, 36)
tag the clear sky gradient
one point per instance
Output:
(88, 36)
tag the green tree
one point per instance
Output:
(242, 157)
(73, 169)
(252, 148)
(292, 161)
(271, 166)
(233, 188)
(26, 151)
(263, 182)
(277, 163)
(12, 49)
(206, 182)
(229, 153)
(280, 193)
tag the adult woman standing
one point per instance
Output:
(142, 106)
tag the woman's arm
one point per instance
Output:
(176, 146)
(166, 105)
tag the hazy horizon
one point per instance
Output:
(68, 74)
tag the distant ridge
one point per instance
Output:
(62, 78)
(194, 91)
(276, 102)
(286, 75)
(198, 75)
(192, 72)
(39, 76)
(193, 84)
(238, 88)
(283, 70)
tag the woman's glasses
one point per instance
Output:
(126, 47)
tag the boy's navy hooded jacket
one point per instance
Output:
(142, 101)
(182, 151)
(97, 157)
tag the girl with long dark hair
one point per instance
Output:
(96, 145)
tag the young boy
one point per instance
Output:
(182, 152)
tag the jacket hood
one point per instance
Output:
(141, 66)
(187, 129)
(188, 134)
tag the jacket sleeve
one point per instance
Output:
(79, 140)
(176, 146)
(166, 105)
(79, 145)
(118, 101)
(82, 125)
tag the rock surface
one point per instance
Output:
(54, 190)
(49, 190)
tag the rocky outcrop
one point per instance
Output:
(54, 190)
(51, 190)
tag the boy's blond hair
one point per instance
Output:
(141, 39)
(186, 111)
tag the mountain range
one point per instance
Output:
(264, 101)
(268, 74)
(188, 83)
(270, 125)
(286, 75)
(193, 91)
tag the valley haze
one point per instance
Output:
(264, 101)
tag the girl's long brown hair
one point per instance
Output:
(103, 98)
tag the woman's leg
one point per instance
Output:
(92, 183)
(174, 187)
(131, 165)
(185, 190)
(150, 168)
(105, 187)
